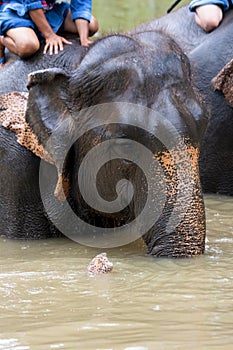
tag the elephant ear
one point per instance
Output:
(48, 111)
(224, 82)
(47, 101)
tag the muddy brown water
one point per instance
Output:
(48, 301)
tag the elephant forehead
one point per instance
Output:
(133, 70)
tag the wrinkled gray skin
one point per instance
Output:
(208, 54)
(21, 210)
(14, 76)
(159, 66)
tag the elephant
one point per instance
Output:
(150, 86)
(216, 161)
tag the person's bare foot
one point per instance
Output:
(2, 52)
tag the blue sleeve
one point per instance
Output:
(32, 4)
(81, 9)
(222, 3)
(23, 6)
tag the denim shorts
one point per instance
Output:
(10, 19)
(224, 4)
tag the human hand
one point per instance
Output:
(54, 44)
(85, 42)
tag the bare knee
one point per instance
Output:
(93, 26)
(27, 48)
(208, 23)
(208, 17)
(211, 24)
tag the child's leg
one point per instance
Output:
(208, 17)
(21, 41)
(2, 50)
(69, 25)
(93, 26)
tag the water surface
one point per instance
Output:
(48, 301)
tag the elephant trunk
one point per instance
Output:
(180, 229)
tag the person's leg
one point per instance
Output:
(208, 17)
(70, 27)
(93, 26)
(17, 34)
(21, 41)
(2, 50)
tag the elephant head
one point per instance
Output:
(130, 118)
